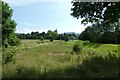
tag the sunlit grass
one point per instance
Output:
(50, 59)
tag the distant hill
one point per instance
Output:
(70, 32)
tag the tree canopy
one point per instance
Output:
(51, 35)
(8, 26)
(105, 19)
(96, 11)
(96, 33)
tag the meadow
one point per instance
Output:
(45, 59)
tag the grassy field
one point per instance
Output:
(38, 59)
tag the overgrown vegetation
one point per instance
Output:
(9, 56)
(54, 59)
(77, 48)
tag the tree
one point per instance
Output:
(116, 33)
(55, 34)
(35, 35)
(96, 33)
(66, 37)
(56, 31)
(8, 26)
(43, 34)
(96, 11)
(49, 34)
(85, 34)
(102, 15)
(60, 37)
(51, 38)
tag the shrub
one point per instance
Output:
(77, 48)
(51, 38)
(14, 41)
(9, 57)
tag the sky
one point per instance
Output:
(44, 15)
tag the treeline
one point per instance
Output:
(51, 35)
(102, 34)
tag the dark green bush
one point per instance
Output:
(77, 48)
(51, 38)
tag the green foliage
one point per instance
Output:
(100, 34)
(66, 37)
(34, 35)
(9, 57)
(43, 35)
(104, 18)
(54, 34)
(51, 38)
(8, 26)
(77, 48)
(96, 12)
(14, 41)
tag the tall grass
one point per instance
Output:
(54, 59)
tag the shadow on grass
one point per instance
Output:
(90, 44)
(96, 67)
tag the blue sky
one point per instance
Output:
(39, 15)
